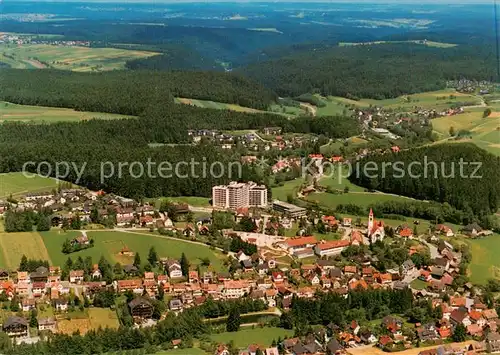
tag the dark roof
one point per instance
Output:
(130, 268)
(336, 272)
(333, 345)
(139, 301)
(15, 320)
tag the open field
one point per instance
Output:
(425, 43)
(14, 245)
(23, 113)
(103, 317)
(68, 57)
(109, 244)
(358, 198)
(69, 327)
(16, 183)
(485, 262)
(245, 337)
(190, 200)
(288, 188)
(214, 105)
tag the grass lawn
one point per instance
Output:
(109, 244)
(69, 57)
(14, 245)
(16, 184)
(485, 262)
(337, 179)
(24, 113)
(289, 188)
(103, 317)
(191, 200)
(418, 284)
(245, 337)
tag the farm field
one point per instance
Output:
(23, 113)
(68, 57)
(16, 184)
(14, 245)
(109, 244)
(485, 262)
(245, 337)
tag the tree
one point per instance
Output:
(152, 256)
(33, 319)
(460, 333)
(286, 321)
(247, 224)
(452, 131)
(67, 247)
(23, 265)
(233, 320)
(487, 113)
(43, 223)
(184, 264)
(137, 260)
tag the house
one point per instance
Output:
(4, 275)
(444, 230)
(61, 304)
(28, 304)
(350, 270)
(459, 316)
(347, 222)
(23, 277)
(235, 289)
(405, 232)
(333, 247)
(174, 269)
(96, 273)
(278, 277)
(408, 267)
(15, 327)
(141, 308)
(76, 276)
(38, 289)
(49, 324)
(221, 350)
(175, 305)
(134, 285)
(493, 342)
(367, 337)
(39, 275)
(472, 230)
(193, 276)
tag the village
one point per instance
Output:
(326, 255)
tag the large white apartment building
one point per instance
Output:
(239, 195)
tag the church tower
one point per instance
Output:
(370, 222)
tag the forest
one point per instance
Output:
(127, 92)
(462, 175)
(379, 72)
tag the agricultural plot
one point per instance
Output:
(16, 183)
(110, 243)
(14, 245)
(23, 113)
(68, 57)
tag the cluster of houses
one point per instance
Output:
(19, 39)
(250, 141)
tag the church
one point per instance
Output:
(376, 230)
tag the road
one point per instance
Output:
(432, 248)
